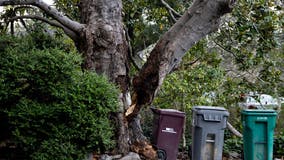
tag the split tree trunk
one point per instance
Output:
(104, 48)
(199, 20)
(105, 51)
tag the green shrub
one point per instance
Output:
(232, 143)
(35, 74)
(278, 144)
(55, 110)
(39, 38)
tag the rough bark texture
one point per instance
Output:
(104, 48)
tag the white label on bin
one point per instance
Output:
(261, 118)
(169, 130)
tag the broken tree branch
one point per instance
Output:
(199, 20)
(234, 130)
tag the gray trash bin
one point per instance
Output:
(167, 131)
(208, 125)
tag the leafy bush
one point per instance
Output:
(38, 37)
(35, 74)
(278, 144)
(55, 110)
(233, 144)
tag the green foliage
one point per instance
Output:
(147, 20)
(193, 82)
(196, 82)
(251, 36)
(69, 8)
(7, 41)
(248, 40)
(244, 55)
(35, 74)
(55, 110)
(251, 31)
(278, 144)
(144, 30)
(233, 144)
(39, 36)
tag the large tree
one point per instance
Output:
(100, 37)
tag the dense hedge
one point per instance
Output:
(53, 109)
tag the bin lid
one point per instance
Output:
(263, 112)
(210, 109)
(172, 112)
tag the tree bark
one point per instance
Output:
(234, 130)
(105, 50)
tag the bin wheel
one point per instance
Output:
(162, 155)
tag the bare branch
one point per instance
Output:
(12, 27)
(225, 49)
(186, 65)
(130, 50)
(53, 23)
(70, 33)
(170, 8)
(193, 62)
(23, 23)
(234, 130)
(23, 7)
(173, 17)
(65, 21)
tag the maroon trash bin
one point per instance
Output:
(167, 131)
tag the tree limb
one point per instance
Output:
(173, 17)
(12, 28)
(234, 130)
(23, 7)
(130, 50)
(65, 21)
(202, 18)
(70, 33)
(23, 23)
(170, 8)
(188, 64)
(53, 23)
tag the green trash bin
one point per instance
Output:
(258, 128)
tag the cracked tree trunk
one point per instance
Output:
(199, 20)
(105, 51)
(104, 48)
